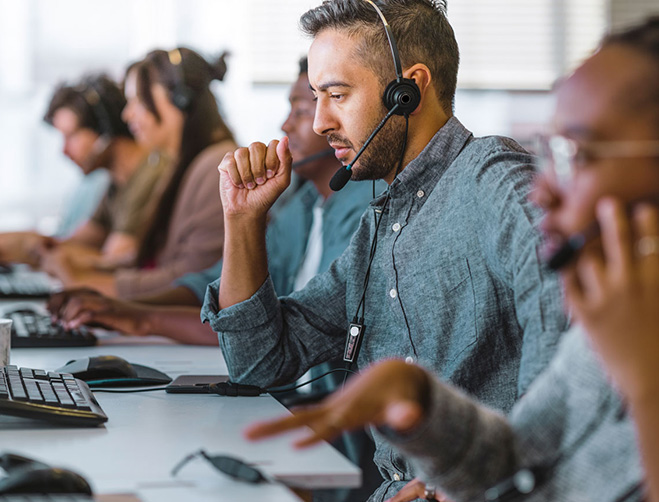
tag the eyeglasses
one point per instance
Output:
(231, 466)
(564, 156)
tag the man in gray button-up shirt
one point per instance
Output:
(455, 283)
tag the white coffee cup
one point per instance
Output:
(5, 341)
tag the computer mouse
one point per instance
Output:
(43, 480)
(12, 461)
(99, 368)
(100, 371)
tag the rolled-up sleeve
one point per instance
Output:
(268, 340)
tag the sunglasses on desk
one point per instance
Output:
(231, 466)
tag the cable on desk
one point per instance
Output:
(117, 391)
(235, 389)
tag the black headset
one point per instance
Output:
(93, 96)
(182, 94)
(403, 91)
(401, 97)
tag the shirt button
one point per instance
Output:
(396, 477)
(395, 227)
(420, 194)
(393, 293)
(409, 359)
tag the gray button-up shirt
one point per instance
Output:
(456, 284)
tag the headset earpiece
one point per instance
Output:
(92, 94)
(182, 95)
(402, 92)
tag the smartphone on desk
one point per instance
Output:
(194, 384)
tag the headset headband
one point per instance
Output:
(392, 41)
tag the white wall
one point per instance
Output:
(43, 42)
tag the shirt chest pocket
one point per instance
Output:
(450, 292)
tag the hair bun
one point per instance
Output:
(218, 67)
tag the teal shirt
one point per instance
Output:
(83, 202)
(288, 233)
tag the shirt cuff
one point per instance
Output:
(249, 314)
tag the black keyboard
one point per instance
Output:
(22, 282)
(34, 329)
(46, 498)
(55, 397)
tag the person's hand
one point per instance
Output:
(616, 296)
(57, 301)
(22, 247)
(55, 261)
(417, 489)
(251, 179)
(77, 307)
(391, 393)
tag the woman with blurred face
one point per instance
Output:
(171, 111)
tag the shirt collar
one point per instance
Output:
(308, 195)
(425, 171)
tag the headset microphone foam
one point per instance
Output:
(341, 178)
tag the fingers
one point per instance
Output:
(269, 428)
(616, 236)
(257, 159)
(413, 490)
(324, 426)
(573, 291)
(283, 152)
(56, 302)
(592, 274)
(646, 226)
(253, 166)
(249, 166)
(229, 166)
(285, 160)
(71, 315)
(82, 309)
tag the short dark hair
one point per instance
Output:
(644, 39)
(422, 33)
(96, 100)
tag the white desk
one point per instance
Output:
(147, 434)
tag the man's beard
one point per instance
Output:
(383, 154)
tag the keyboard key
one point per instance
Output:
(32, 390)
(62, 394)
(41, 374)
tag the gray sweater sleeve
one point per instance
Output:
(461, 447)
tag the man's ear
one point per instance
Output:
(421, 75)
